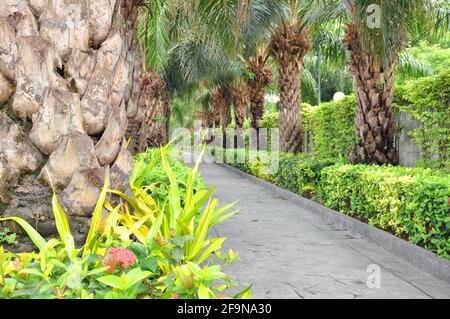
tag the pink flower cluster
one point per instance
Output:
(119, 258)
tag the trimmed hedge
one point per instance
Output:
(333, 128)
(412, 203)
(428, 101)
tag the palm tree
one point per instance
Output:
(374, 54)
(258, 75)
(75, 71)
(289, 45)
(187, 43)
(240, 97)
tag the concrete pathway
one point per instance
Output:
(289, 252)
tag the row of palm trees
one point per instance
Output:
(227, 48)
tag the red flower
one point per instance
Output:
(119, 258)
(175, 295)
(430, 229)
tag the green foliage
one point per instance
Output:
(143, 248)
(271, 120)
(7, 237)
(434, 55)
(428, 100)
(332, 128)
(411, 203)
(158, 179)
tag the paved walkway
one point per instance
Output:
(288, 252)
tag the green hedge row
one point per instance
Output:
(412, 203)
(330, 126)
(428, 101)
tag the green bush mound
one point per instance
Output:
(412, 203)
(428, 101)
(157, 177)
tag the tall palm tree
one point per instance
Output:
(240, 98)
(289, 45)
(374, 54)
(258, 75)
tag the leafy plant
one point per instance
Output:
(7, 237)
(140, 250)
(428, 101)
(157, 178)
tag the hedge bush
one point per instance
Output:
(330, 127)
(333, 128)
(428, 101)
(412, 203)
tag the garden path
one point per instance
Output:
(289, 252)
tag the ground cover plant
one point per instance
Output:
(143, 248)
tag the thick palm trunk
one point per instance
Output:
(375, 119)
(258, 78)
(215, 109)
(146, 131)
(289, 47)
(75, 67)
(239, 97)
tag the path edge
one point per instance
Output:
(413, 254)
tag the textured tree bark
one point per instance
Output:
(239, 97)
(159, 127)
(289, 46)
(375, 120)
(69, 84)
(214, 118)
(258, 77)
(148, 131)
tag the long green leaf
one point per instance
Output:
(96, 216)
(62, 224)
(244, 294)
(156, 225)
(216, 245)
(174, 194)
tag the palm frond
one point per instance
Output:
(409, 66)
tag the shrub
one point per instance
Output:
(412, 203)
(428, 101)
(333, 128)
(300, 173)
(158, 179)
(142, 249)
